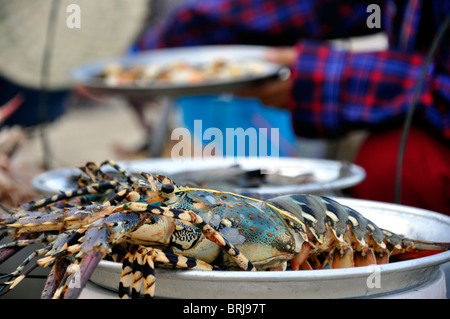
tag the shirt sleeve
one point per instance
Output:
(281, 22)
(335, 91)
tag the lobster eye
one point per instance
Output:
(167, 188)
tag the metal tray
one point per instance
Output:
(333, 283)
(329, 175)
(88, 74)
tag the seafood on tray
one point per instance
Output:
(180, 72)
(149, 220)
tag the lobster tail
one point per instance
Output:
(353, 234)
(402, 248)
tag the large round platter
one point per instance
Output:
(87, 75)
(329, 283)
(328, 175)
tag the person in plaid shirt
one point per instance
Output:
(332, 91)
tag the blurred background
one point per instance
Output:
(63, 125)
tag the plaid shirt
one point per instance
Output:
(334, 91)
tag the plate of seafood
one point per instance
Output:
(262, 177)
(181, 71)
(146, 235)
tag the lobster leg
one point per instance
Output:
(96, 243)
(299, 262)
(128, 194)
(60, 219)
(342, 259)
(342, 255)
(91, 172)
(18, 275)
(27, 260)
(131, 179)
(365, 259)
(7, 253)
(54, 278)
(80, 274)
(24, 242)
(94, 172)
(139, 270)
(58, 247)
(96, 188)
(135, 274)
(189, 216)
(8, 286)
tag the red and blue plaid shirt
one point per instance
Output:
(334, 91)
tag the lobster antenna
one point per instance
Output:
(409, 115)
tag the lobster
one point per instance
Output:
(146, 220)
